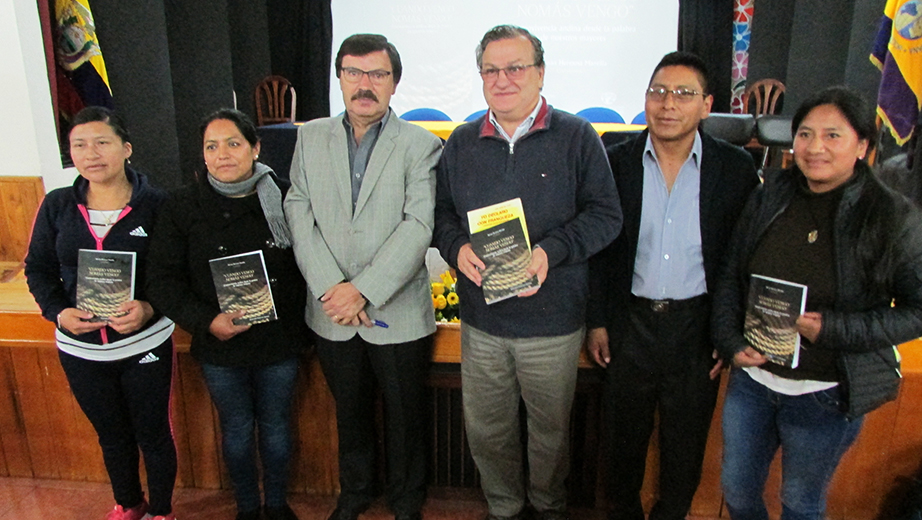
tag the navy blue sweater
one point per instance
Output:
(560, 171)
(61, 230)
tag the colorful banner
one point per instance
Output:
(898, 53)
(742, 31)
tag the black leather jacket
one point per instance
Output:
(862, 319)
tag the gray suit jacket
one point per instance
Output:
(380, 247)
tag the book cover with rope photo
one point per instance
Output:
(499, 237)
(241, 283)
(772, 309)
(105, 280)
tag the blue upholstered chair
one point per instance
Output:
(425, 114)
(639, 119)
(475, 115)
(600, 115)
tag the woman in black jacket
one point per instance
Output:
(119, 367)
(250, 370)
(829, 224)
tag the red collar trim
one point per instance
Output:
(542, 119)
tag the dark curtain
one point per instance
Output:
(172, 62)
(706, 29)
(300, 41)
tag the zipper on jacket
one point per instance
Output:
(511, 148)
(86, 218)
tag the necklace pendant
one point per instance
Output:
(812, 236)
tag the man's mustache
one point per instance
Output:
(365, 94)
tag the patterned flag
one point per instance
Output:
(78, 52)
(898, 54)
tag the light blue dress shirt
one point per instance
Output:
(669, 262)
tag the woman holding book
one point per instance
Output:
(235, 208)
(827, 223)
(119, 366)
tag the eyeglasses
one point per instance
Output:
(354, 75)
(512, 72)
(682, 95)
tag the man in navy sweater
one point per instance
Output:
(525, 347)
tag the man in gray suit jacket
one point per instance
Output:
(360, 210)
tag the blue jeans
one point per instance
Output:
(811, 431)
(246, 397)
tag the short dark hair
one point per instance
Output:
(240, 120)
(103, 115)
(505, 32)
(365, 44)
(684, 59)
(857, 111)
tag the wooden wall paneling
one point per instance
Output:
(901, 461)
(299, 467)
(708, 501)
(859, 482)
(20, 198)
(15, 447)
(184, 470)
(585, 425)
(202, 432)
(93, 464)
(41, 436)
(318, 461)
(75, 454)
(218, 446)
(295, 468)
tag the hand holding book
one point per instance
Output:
(749, 358)
(538, 268)
(470, 265)
(131, 316)
(809, 325)
(78, 321)
(223, 326)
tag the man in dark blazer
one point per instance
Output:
(681, 192)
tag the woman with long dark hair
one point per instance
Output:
(827, 223)
(235, 207)
(119, 367)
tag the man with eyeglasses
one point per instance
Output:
(361, 215)
(525, 348)
(682, 192)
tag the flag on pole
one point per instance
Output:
(898, 54)
(78, 52)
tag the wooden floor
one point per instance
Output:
(27, 499)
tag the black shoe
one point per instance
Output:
(415, 515)
(280, 513)
(248, 515)
(345, 512)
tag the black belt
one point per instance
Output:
(670, 305)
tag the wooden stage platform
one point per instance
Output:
(44, 435)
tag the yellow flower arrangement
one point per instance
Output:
(445, 299)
